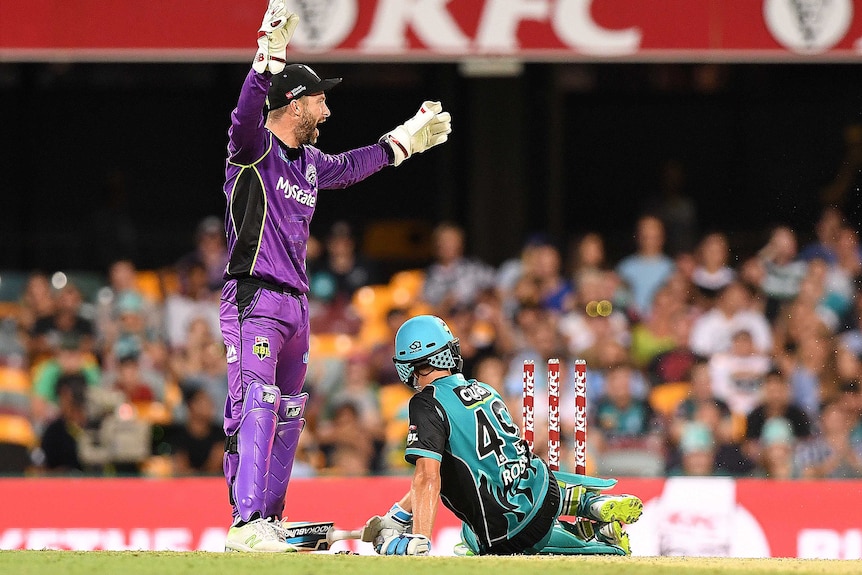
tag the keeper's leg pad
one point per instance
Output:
(561, 541)
(290, 425)
(254, 440)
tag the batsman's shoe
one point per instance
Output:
(613, 534)
(607, 508)
(461, 549)
(258, 536)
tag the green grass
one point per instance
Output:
(199, 563)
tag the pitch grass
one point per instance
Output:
(200, 563)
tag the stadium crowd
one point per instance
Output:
(700, 361)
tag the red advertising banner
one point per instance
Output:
(439, 30)
(682, 516)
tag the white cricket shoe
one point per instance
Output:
(258, 536)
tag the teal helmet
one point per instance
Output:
(425, 340)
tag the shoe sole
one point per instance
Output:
(626, 509)
(621, 538)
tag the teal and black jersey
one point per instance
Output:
(489, 477)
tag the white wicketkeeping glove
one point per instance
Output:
(404, 544)
(429, 127)
(395, 522)
(273, 36)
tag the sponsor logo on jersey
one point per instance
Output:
(230, 354)
(472, 395)
(296, 193)
(412, 435)
(261, 347)
(311, 174)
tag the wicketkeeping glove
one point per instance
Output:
(404, 544)
(429, 127)
(273, 36)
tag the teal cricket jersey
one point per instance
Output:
(489, 478)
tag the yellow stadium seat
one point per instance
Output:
(372, 301)
(335, 345)
(14, 379)
(664, 398)
(149, 284)
(407, 287)
(17, 430)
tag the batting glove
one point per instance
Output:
(429, 127)
(395, 522)
(273, 36)
(405, 544)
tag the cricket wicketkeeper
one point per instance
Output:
(273, 174)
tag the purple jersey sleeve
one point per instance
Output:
(342, 170)
(247, 136)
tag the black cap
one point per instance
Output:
(295, 81)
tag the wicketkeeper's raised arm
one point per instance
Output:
(429, 127)
(273, 36)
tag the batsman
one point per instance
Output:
(273, 175)
(469, 454)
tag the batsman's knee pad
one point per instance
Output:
(253, 442)
(288, 430)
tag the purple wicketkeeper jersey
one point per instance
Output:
(271, 191)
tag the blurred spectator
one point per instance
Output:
(343, 269)
(66, 320)
(69, 359)
(210, 252)
(697, 448)
(712, 272)
(454, 279)
(842, 277)
(777, 402)
(625, 432)
(201, 363)
(704, 408)
(138, 383)
(59, 441)
(851, 391)
(195, 301)
(37, 301)
(737, 374)
(544, 267)
(676, 209)
(811, 371)
(197, 445)
(475, 342)
(656, 331)
(347, 442)
(777, 448)
(334, 280)
(830, 454)
(587, 254)
(593, 317)
(353, 399)
(132, 323)
(777, 271)
(712, 331)
(122, 289)
(648, 268)
(826, 232)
